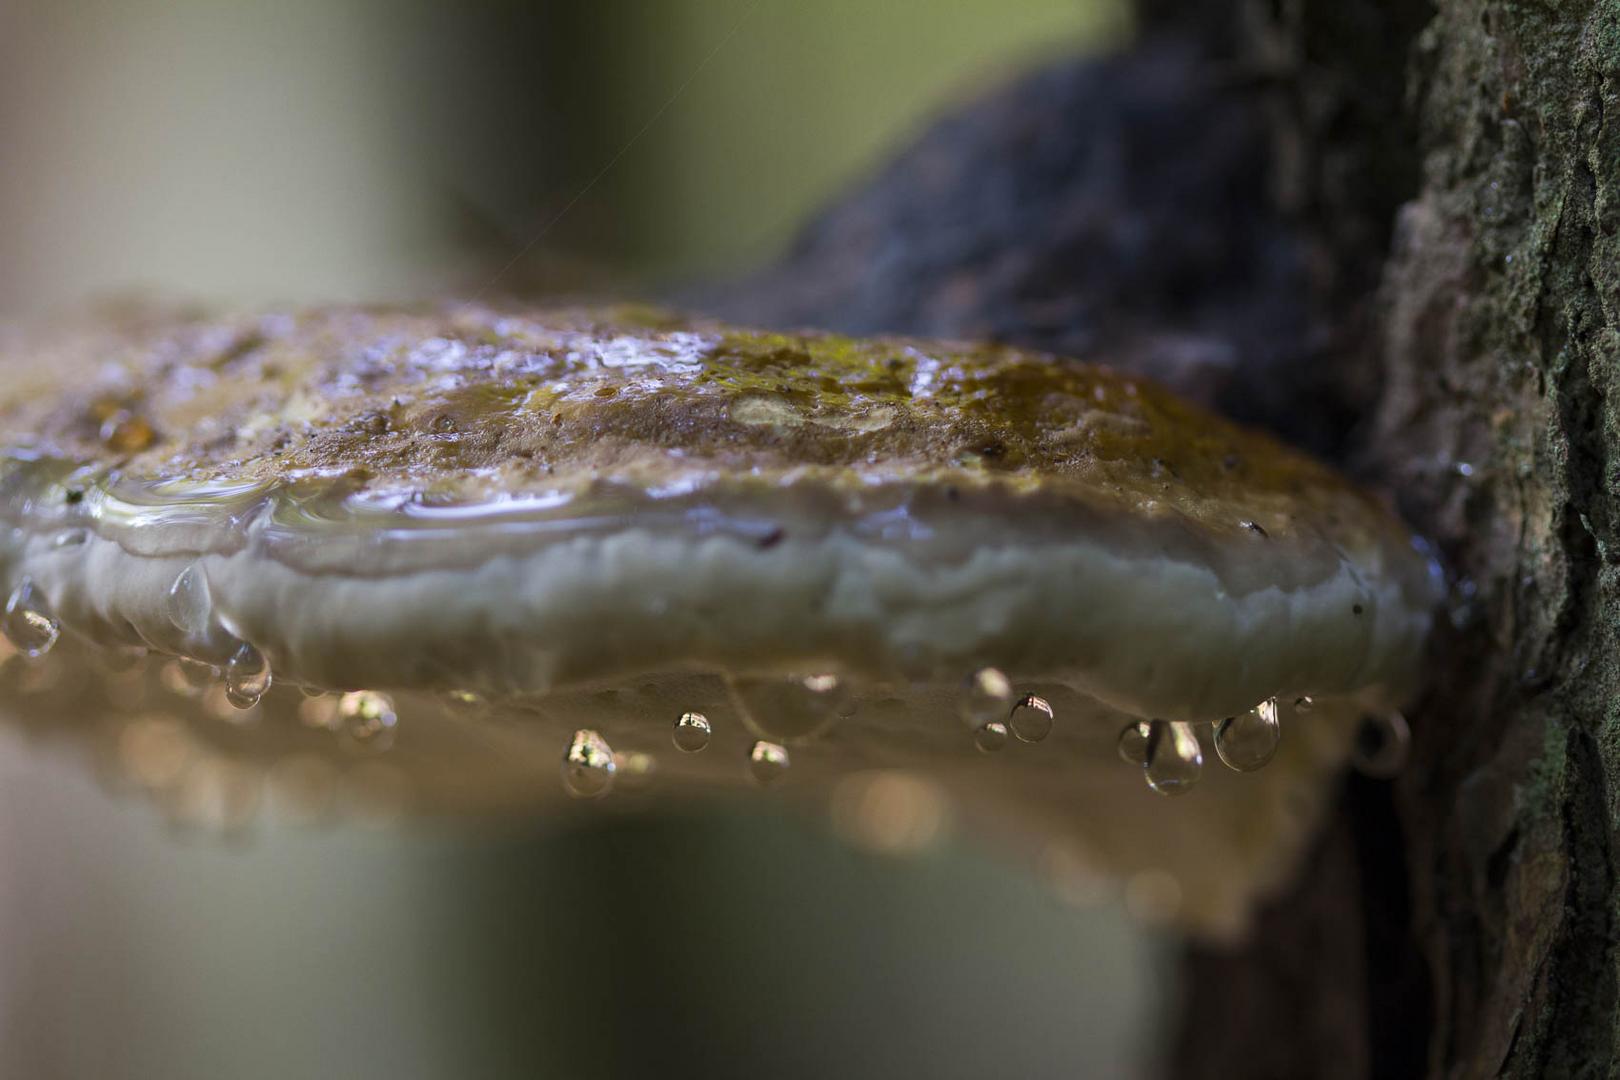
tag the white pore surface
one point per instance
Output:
(1143, 633)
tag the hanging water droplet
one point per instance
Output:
(69, 538)
(691, 732)
(1174, 758)
(1303, 704)
(1031, 719)
(190, 605)
(588, 766)
(991, 737)
(987, 697)
(767, 761)
(27, 624)
(1381, 746)
(247, 677)
(1247, 741)
(785, 709)
(367, 719)
(1133, 743)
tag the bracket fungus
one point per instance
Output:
(478, 560)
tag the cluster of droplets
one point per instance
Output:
(1171, 756)
(1167, 752)
(991, 710)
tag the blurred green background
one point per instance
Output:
(270, 151)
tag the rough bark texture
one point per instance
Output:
(1501, 341)
(1438, 191)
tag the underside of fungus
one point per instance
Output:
(474, 560)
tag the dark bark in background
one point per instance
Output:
(1391, 233)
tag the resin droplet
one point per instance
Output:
(767, 761)
(27, 625)
(1246, 742)
(1174, 758)
(1133, 743)
(792, 708)
(1381, 746)
(190, 604)
(991, 737)
(1031, 719)
(988, 697)
(367, 719)
(588, 767)
(247, 677)
(691, 732)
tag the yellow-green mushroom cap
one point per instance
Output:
(524, 528)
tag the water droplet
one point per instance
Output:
(1303, 704)
(367, 719)
(1133, 743)
(1174, 758)
(988, 696)
(247, 677)
(991, 737)
(1031, 719)
(691, 732)
(69, 538)
(785, 709)
(1381, 746)
(588, 766)
(27, 624)
(1247, 741)
(190, 605)
(767, 761)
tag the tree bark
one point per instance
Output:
(1501, 343)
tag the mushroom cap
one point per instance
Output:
(506, 502)
(546, 510)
